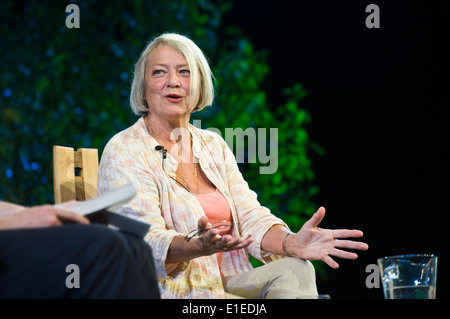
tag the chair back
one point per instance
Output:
(74, 173)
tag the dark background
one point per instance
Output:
(379, 105)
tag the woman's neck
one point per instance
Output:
(174, 136)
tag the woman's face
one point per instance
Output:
(167, 83)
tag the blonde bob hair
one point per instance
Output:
(201, 89)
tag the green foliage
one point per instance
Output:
(71, 87)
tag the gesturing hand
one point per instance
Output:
(212, 242)
(314, 243)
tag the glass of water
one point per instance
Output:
(409, 276)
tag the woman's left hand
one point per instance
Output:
(314, 243)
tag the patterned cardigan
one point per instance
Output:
(130, 156)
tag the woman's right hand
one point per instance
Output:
(212, 242)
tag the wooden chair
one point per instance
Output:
(74, 173)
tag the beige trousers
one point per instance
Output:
(286, 278)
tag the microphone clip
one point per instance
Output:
(164, 151)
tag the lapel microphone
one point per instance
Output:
(164, 151)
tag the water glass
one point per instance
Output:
(409, 276)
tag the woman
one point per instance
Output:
(188, 179)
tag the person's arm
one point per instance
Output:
(37, 216)
(314, 243)
(7, 208)
(273, 239)
(272, 236)
(211, 242)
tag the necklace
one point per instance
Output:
(193, 162)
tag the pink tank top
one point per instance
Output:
(216, 208)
